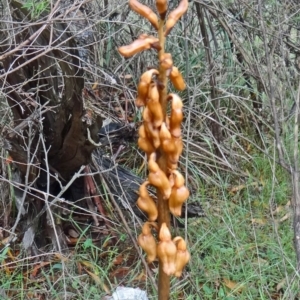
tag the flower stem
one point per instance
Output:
(163, 207)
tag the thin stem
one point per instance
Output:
(163, 207)
(162, 73)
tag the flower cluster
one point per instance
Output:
(160, 137)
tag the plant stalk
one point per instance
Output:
(163, 207)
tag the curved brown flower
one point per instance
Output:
(147, 242)
(146, 203)
(175, 15)
(178, 195)
(154, 105)
(172, 146)
(162, 6)
(144, 142)
(176, 115)
(144, 11)
(182, 255)
(166, 250)
(157, 177)
(177, 79)
(153, 133)
(143, 87)
(166, 61)
(139, 45)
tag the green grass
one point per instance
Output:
(242, 250)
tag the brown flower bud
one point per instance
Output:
(147, 242)
(182, 255)
(142, 94)
(177, 198)
(176, 101)
(155, 44)
(166, 61)
(144, 142)
(164, 133)
(178, 145)
(156, 110)
(176, 115)
(147, 116)
(143, 87)
(154, 105)
(146, 203)
(166, 140)
(157, 177)
(166, 250)
(169, 148)
(164, 233)
(153, 133)
(177, 79)
(138, 45)
(172, 146)
(178, 179)
(162, 6)
(178, 195)
(175, 122)
(142, 132)
(144, 11)
(175, 15)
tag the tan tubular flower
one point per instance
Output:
(175, 122)
(162, 6)
(178, 179)
(178, 195)
(164, 134)
(166, 250)
(144, 11)
(176, 101)
(156, 110)
(153, 133)
(182, 256)
(139, 45)
(176, 115)
(147, 242)
(172, 146)
(166, 61)
(157, 177)
(155, 44)
(143, 87)
(177, 79)
(144, 142)
(146, 203)
(154, 105)
(166, 140)
(147, 116)
(175, 15)
(178, 145)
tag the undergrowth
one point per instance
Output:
(243, 249)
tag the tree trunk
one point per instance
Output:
(42, 81)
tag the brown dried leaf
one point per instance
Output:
(98, 281)
(258, 221)
(232, 285)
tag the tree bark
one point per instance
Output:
(42, 81)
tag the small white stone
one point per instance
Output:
(124, 293)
